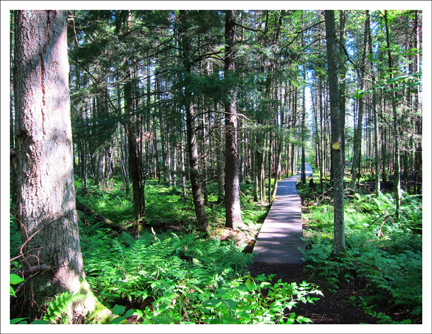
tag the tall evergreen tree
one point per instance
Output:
(336, 137)
(45, 211)
(232, 186)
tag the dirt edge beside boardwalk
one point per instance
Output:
(330, 309)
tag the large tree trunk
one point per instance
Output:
(336, 135)
(45, 211)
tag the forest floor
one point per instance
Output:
(332, 308)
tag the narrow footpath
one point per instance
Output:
(280, 236)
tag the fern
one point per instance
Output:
(60, 309)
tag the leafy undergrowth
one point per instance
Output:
(185, 279)
(382, 251)
(171, 274)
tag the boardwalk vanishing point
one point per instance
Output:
(279, 239)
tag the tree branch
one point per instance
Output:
(247, 28)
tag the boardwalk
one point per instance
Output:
(279, 238)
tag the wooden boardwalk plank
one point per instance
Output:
(280, 237)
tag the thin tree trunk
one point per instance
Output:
(303, 124)
(358, 132)
(182, 168)
(343, 71)
(375, 117)
(270, 159)
(205, 160)
(100, 166)
(395, 124)
(417, 107)
(278, 157)
(174, 168)
(202, 222)
(322, 137)
(219, 160)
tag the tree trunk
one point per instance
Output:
(358, 132)
(418, 120)
(124, 160)
(219, 160)
(133, 151)
(270, 159)
(134, 165)
(232, 185)
(395, 124)
(182, 167)
(45, 211)
(278, 158)
(202, 222)
(375, 117)
(343, 71)
(322, 137)
(174, 168)
(303, 124)
(336, 135)
(100, 166)
(205, 159)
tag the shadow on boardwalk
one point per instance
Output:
(280, 237)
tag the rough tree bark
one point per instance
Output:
(303, 122)
(358, 133)
(336, 135)
(220, 160)
(375, 117)
(343, 71)
(134, 153)
(232, 186)
(201, 216)
(395, 123)
(45, 211)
